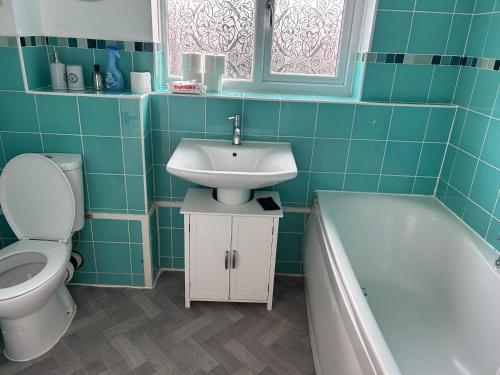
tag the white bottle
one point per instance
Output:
(58, 74)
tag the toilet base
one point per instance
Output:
(31, 336)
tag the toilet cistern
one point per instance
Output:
(236, 129)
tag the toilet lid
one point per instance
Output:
(37, 199)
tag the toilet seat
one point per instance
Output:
(37, 199)
(55, 255)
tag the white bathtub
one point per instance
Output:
(433, 293)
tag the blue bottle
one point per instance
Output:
(114, 78)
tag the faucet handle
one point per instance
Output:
(234, 117)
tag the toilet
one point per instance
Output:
(41, 197)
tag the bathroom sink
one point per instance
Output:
(233, 170)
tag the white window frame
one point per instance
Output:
(264, 80)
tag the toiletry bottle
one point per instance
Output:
(58, 74)
(114, 78)
(97, 78)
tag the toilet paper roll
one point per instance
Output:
(192, 62)
(215, 64)
(140, 82)
(213, 82)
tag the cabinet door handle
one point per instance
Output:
(234, 259)
(226, 260)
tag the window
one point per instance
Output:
(275, 45)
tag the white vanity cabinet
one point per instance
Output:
(230, 250)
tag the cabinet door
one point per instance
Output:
(209, 240)
(251, 258)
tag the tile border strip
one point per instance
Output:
(85, 43)
(416, 59)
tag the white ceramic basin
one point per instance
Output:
(233, 170)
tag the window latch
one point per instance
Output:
(270, 10)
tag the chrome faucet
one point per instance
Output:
(236, 129)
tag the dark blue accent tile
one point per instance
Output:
(148, 47)
(497, 65)
(399, 58)
(46, 40)
(33, 41)
(455, 60)
(101, 44)
(23, 41)
(389, 58)
(72, 42)
(436, 60)
(445, 60)
(463, 60)
(91, 43)
(474, 62)
(138, 47)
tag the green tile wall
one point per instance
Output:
(469, 183)
(418, 27)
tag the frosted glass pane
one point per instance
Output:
(212, 26)
(306, 37)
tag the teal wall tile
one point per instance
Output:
(378, 81)
(485, 91)
(302, 150)
(112, 257)
(36, 66)
(114, 279)
(455, 201)
(443, 84)
(144, 62)
(440, 121)
(361, 182)
(334, 120)
(294, 190)
(11, 77)
(288, 267)
(396, 184)
(130, 117)
(449, 159)
(20, 143)
(99, 116)
(330, 155)
(396, 4)
(218, 112)
(298, 119)
(477, 34)
(159, 111)
(473, 133)
(86, 249)
(401, 158)
(431, 158)
(465, 85)
(180, 186)
(178, 263)
(486, 186)
(325, 181)
(162, 149)
(492, 44)
(289, 247)
(135, 230)
(458, 124)
(103, 154)
(408, 123)
(178, 243)
(260, 118)
(412, 83)
(371, 122)
(435, 6)
(429, 31)
(165, 242)
(293, 222)
(17, 112)
(365, 157)
(161, 181)
(463, 172)
(476, 218)
(107, 230)
(71, 144)
(465, 6)
(136, 258)
(186, 113)
(458, 34)
(132, 155)
(58, 114)
(391, 31)
(491, 150)
(135, 192)
(424, 186)
(84, 278)
(107, 191)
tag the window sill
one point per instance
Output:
(87, 92)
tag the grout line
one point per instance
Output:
(349, 146)
(445, 153)
(411, 25)
(385, 150)
(123, 153)
(422, 151)
(38, 123)
(312, 153)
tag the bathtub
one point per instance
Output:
(398, 285)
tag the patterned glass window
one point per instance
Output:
(212, 26)
(306, 37)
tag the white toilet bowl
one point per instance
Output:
(36, 308)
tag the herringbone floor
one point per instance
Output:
(134, 331)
